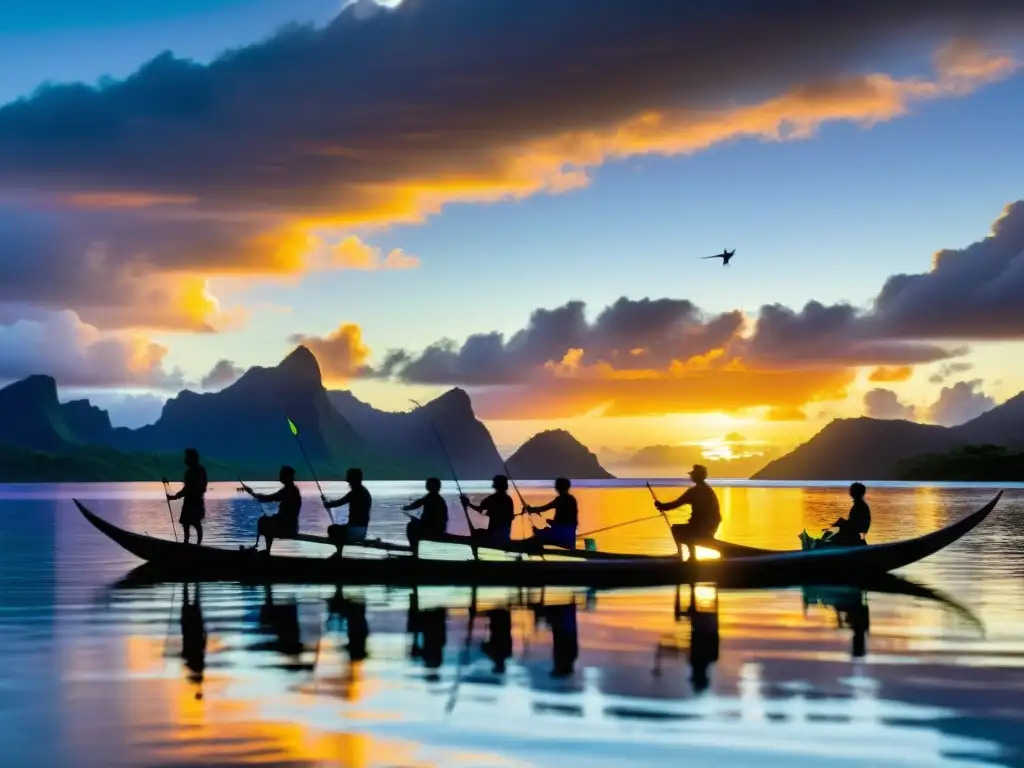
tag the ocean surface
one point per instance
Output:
(225, 675)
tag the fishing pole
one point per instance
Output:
(167, 492)
(295, 431)
(455, 477)
(617, 525)
(464, 657)
(668, 522)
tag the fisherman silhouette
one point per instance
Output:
(500, 510)
(281, 619)
(432, 626)
(285, 523)
(433, 521)
(725, 256)
(854, 528)
(498, 646)
(565, 648)
(705, 516)
(192, 493)
(704, 641)
(359, 503)
(193, 638)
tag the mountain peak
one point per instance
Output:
(555, 453)
(301, 364)
(41, 389)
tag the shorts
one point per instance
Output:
(277, 527)
(343, 533)
(191, 515)
(417, 531)
(557, 535)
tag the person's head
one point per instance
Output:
(500, 483)
(433, 485)
(562, 485)
(699, 473)
(287, 475)
(857, 491)
(191, 457)
(354, 476)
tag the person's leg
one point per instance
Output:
(338, 535)
(199, 532)
(186, 529)
(682, 533)
(261, 527)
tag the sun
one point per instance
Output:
(717, 449)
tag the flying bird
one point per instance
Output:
(724, 256)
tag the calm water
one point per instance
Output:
(231, 675)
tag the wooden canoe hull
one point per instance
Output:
(821, 566)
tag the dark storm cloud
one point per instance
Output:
(960, 403)
(836, 334)
(885, 404)
(313, 119)
(629, 334)
(971, 293)
(223, 373)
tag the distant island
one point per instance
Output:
(971, 463)
(558, 449)
(241, 431)
(882, 449)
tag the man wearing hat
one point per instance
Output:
(705, 516)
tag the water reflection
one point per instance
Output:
(221, 674)
(702, 645)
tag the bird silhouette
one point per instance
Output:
(724, 256)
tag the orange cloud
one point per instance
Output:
(353, 253)
(341, 353)
(559, 163)
(891, 374)
(662, 392)
(185, 197)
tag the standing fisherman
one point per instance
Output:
(192, 493)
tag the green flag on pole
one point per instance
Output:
(293, 428)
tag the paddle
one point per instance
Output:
(455, 477)
(167, 492)
(679, 547)
(295, 431)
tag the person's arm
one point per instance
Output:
(469, 504)
(538, 510)
(414, 505)
(267, 497)
(668, 506)
(338, 502)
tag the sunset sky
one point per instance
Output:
(514, 196)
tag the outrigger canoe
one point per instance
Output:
(839, 565)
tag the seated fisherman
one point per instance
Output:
(562, 530)
(285, 523)
(433, 521)
(359, 502)
(854, 528)
(705, 516)
(499, 509)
